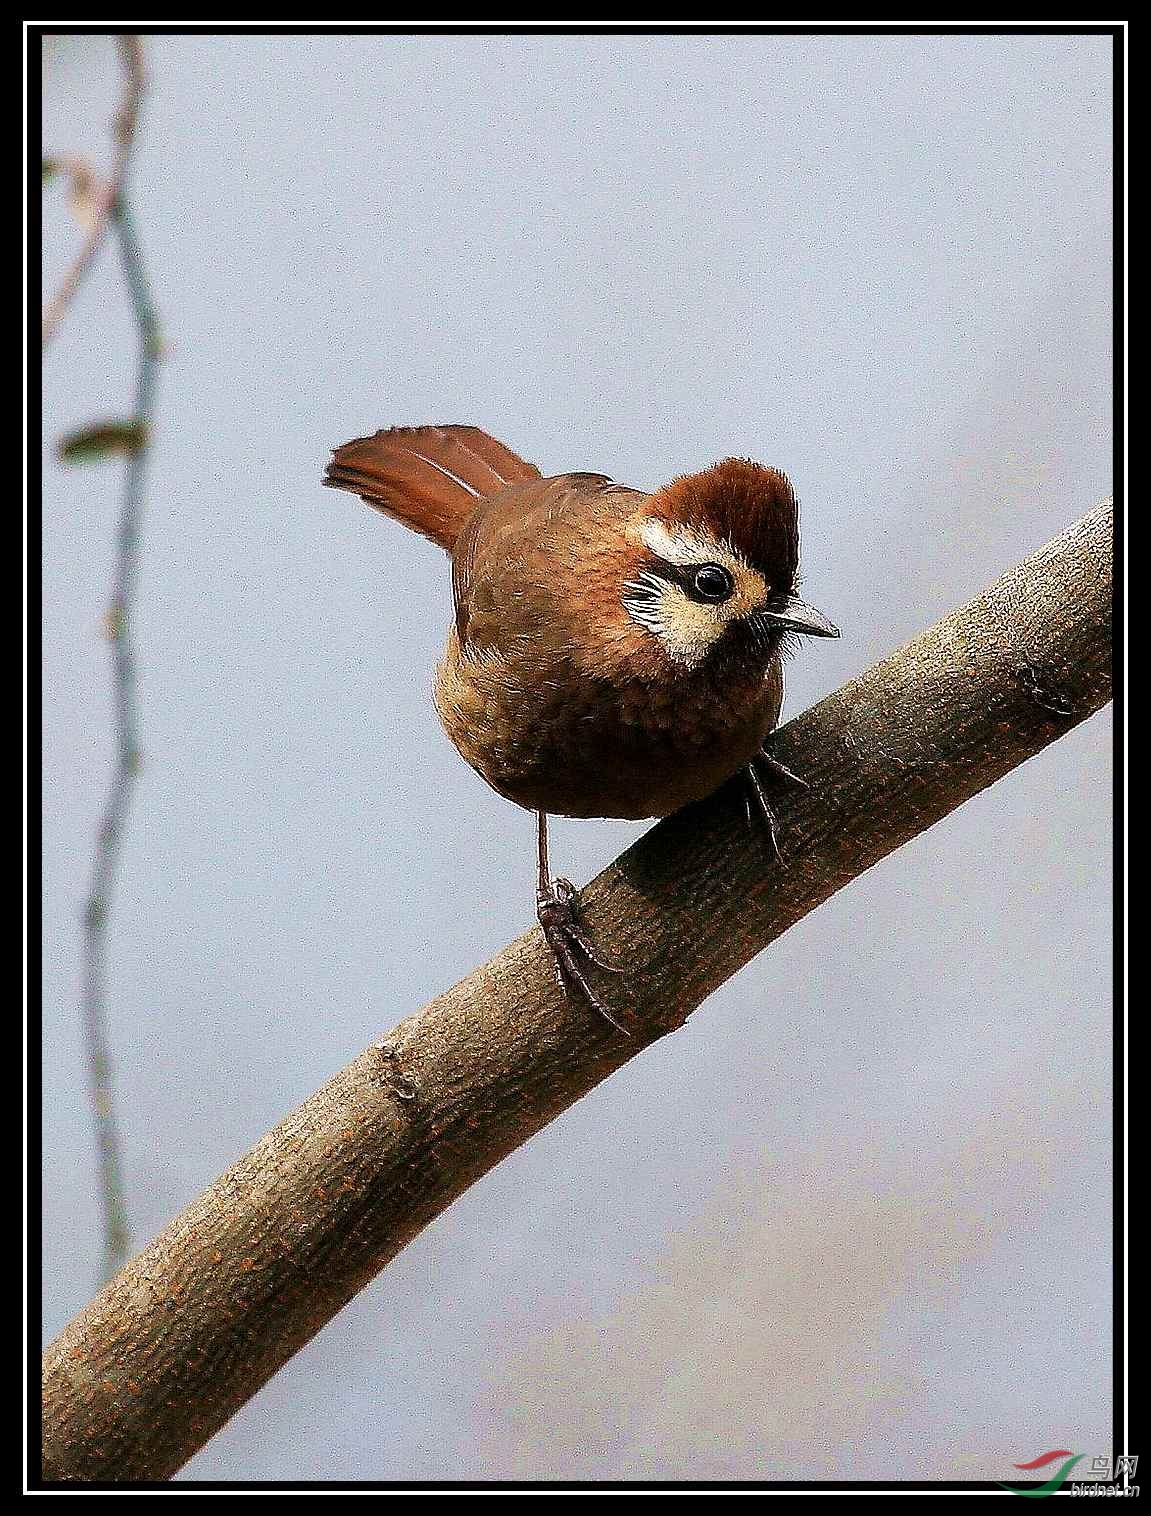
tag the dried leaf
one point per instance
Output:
(85, 193)
(91, 443)
(86, 190)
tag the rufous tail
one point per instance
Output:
(429, 477)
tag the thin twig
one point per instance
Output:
(124, 133)
(109, 836)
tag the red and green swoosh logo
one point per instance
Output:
(1041, 1462)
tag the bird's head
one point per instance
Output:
(714, 562)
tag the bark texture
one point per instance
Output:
(192, 1327)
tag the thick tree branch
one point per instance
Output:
(194, 1325)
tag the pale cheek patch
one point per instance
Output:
(687, 630)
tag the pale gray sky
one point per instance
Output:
(853, 1220)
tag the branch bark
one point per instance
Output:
(188, 1331)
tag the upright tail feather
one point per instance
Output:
(429, 477)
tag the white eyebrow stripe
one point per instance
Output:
(684, 546)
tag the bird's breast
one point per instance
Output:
(549, 737)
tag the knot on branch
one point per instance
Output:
(1040, 686)
(402, 1086)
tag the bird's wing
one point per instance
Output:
(506, 559)
(432, 478)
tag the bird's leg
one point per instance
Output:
(571, 948)
(767, 765)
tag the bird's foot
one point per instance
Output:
(763, 769)
(571, 948)
(779, 770)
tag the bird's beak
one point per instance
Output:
(787, 613)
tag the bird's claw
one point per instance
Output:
(757, 794)
(779, 770)
(569, 944)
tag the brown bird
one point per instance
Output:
(614, 653)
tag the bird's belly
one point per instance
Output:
(574, 748)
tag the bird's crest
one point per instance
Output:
(744, 505)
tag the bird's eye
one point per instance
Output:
(712, 582)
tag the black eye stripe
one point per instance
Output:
(706, 583)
